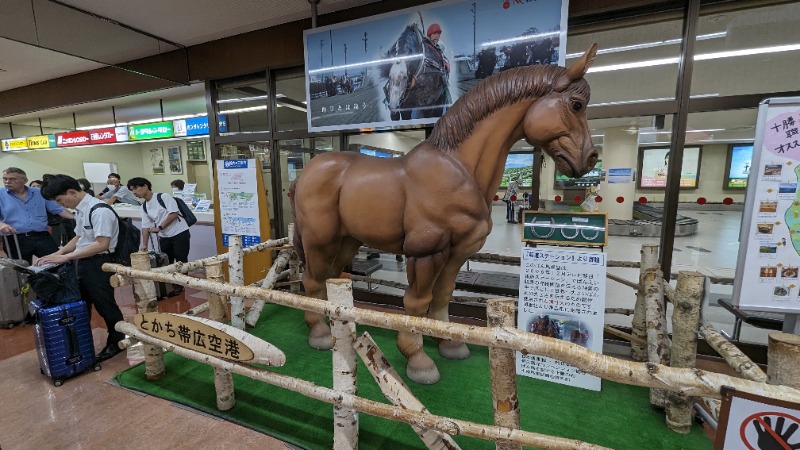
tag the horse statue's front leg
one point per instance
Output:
(422, 273)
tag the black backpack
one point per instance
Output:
(183, 209)
(129, 236)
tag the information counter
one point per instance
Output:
(203, 242)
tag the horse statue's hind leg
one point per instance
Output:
(442, 294)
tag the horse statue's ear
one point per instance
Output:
(578, 69)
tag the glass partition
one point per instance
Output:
(245, 103)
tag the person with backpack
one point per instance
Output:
(96, 240)
(162, 214)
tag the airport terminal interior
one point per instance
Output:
(236, 82)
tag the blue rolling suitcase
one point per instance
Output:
(64, 341)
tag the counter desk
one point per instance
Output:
(203, 242)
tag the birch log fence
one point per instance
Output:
(679, 382)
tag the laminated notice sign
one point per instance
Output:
(769, 252)
(562, 296)
(238, 200)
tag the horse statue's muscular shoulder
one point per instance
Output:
(434, 203)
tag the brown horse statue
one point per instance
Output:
(434, 204)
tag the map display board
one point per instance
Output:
(562, 296)
(769, 250)
(238, 200)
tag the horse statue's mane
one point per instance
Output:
(496, 92)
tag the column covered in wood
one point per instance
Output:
(503, 370)
(649, 261)
(685, 321)
(144, 292)
(783, 359)
(345, 365)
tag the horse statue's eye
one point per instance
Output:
(576, 105)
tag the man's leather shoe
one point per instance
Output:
(108, 352)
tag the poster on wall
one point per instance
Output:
(238, 200)
(157, 160)
(175, 163)
(769, 250)
(740, 159)
(562, 296)
(519, 166)
(593, 178)
(654, 166)
(358, 73)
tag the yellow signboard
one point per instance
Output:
(192, 334)
(41, 141)
(15, 144)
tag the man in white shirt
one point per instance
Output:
(160, 215)
(97, 232)
(116, 192)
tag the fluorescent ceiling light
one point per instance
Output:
(135, 122)
(244, 99)
(242, 110)
(366, 63)
(700, 57)
(648, 100)
(625, 48)
(688, 131)
(518, 39)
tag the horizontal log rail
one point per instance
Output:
(685, 382)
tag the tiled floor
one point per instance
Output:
(88, 412)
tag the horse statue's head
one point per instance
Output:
(557, 121)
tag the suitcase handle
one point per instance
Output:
(8, 247)
(152, 244)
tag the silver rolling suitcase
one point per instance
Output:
(13, 288)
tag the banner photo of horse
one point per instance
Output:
(408, 67)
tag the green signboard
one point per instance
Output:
(157, 130)
(565, 228)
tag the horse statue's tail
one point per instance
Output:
(298, 242)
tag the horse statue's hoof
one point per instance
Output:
(453, 349)
(320, 337)
(421, 369)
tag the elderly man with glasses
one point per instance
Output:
(23, 211)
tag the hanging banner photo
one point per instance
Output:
(407, 67)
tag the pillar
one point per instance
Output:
(620, 150)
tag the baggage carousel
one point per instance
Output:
(647, 221)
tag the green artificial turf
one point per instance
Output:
(619, 416)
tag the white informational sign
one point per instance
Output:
(562, 295)
(238, 200)
(769, 252)
(752, 422)
(619, 176)
(203, 206)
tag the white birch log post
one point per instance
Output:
(218, 310)
(309, 389)
(685, 321)
(294, 273)
(689, 382)
(783, 359)
(740, 362)
(398, 393)
(345, 365)
(503, 370)
(269, 281)
(217, 305)
(649, 261)
(657, 340)
(236, 277)
(199, 309)
(144, 292)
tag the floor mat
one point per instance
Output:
(618, 417)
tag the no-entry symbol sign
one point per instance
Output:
(752, 422)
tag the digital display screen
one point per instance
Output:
(518, 166)
(741, 157)
(654, 167)
(592, 178)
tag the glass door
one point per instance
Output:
(294, 155)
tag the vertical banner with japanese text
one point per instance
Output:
(238, 200)
(562, 296)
